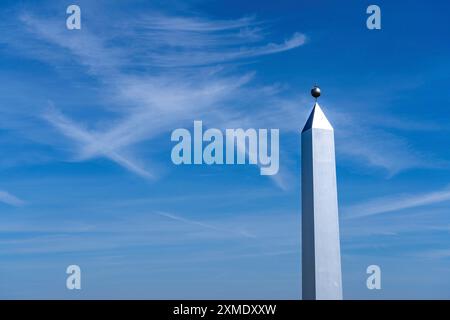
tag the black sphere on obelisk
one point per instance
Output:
(315, 92)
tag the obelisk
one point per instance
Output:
(321, 258)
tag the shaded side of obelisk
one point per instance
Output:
(321, 258)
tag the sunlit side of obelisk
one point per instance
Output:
(321, 258)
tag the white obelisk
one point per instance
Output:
(321, 258)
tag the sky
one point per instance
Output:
(86, 175)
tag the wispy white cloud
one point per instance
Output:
(194, 24)
(86, 139)
(157, 40)
(205, 225)
(145, 106)
(174, 41)
(396, 203)
(377, 148)
(363, 140)
(200, 58)
(264, 233)
(435, 254)
(10, 199)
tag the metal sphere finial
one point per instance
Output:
(315, 92)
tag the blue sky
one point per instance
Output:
(86, 176)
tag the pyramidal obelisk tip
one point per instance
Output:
(317, 120)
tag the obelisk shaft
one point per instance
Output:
(321, 260)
